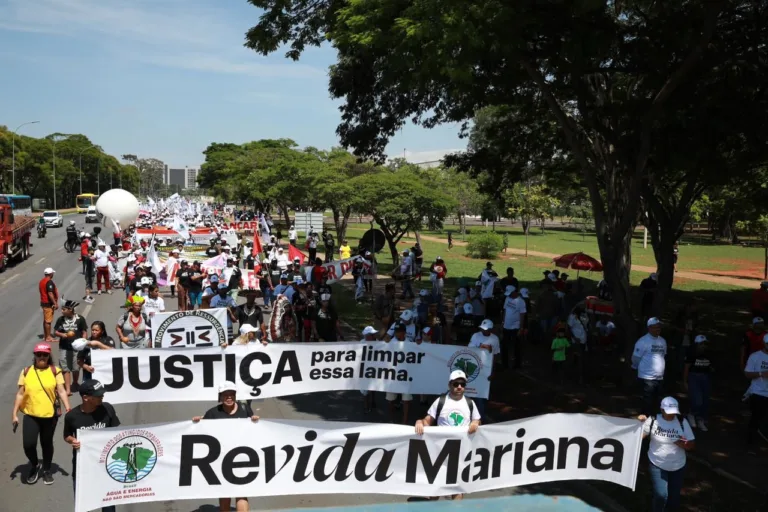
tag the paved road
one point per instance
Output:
(21, 328)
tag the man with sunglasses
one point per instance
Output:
(452, 410)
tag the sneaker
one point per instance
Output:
(33, 474)
(692, 420)
(99, 292)
(109, 292)
(702, 425)
(47, 478)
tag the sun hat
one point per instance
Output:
(456, 375)
(227, 385)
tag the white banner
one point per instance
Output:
(228, 458)
(186, 329)
(282, 369)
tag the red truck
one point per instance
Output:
(15, 232)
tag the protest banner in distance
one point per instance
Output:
(335, 270)
(282, 369)
(217, 459)
(186, 329)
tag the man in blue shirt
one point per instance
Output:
(223, 300)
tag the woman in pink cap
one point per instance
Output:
(41, 386)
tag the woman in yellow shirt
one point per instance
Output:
(38, 386)
(345, 251)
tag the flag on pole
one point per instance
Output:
(294, 253)
(265, 233)
(256, 250)
(153, 258)
(180, 227)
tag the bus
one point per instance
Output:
(20, 205)
(83, 201)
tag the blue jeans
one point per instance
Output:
(195, 298)
(651, 393)
(666, 488)
(699, 390)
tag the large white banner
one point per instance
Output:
(282, 369)
(335, 270)
(185, 329)
(237, 457)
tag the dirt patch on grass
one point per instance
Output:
(741, 268)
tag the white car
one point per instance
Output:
(92, 215)
(53, 219)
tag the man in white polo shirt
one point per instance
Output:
(101, 257)
(648, 359)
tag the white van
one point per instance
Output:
(92, 215)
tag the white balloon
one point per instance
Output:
(119, 205)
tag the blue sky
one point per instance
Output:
(164, 78)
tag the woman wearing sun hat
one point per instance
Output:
(40, 385)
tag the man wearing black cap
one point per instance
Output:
(68, 328)
(93, 413)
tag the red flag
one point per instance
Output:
(294, 253)
(256, 250)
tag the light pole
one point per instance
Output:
(13, 144)
(81, 165)
(54, 141)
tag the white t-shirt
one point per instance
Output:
(282, 261)
(152, 306)
(410, 331)
(406, 266)
(513, 308)
(101, 258)
(487, 282)
(651, 352)
(292, 234)
(169, 264)
(662, 450)
(758, 362)
(455, 413)
(479, 338)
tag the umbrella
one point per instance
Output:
(578, 261)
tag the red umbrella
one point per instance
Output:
(578, 261)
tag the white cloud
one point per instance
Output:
(172, 33)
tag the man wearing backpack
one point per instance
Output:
(93, 413)
(452, 410)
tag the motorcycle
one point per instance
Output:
(41, 230)
(71, 244)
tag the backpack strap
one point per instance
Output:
(54, 370)
(471, 405)
(440, 405)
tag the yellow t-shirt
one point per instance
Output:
(38, 400)
(345, 251)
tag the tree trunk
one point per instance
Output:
(340, 222)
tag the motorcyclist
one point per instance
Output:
(72, 237)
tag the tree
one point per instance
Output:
(400, 201)
(618, 79)
(530, 202)
(465, 193)
(150, 172)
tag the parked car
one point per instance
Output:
(92, 215)
(53, 219)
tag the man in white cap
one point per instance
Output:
(753, 339)
(513, 318)
(170, 270)
(369, 336)
(757, 371)
(292, 235)
(484, 339)
(49, 302)
(282, 259)
(406, 319)
(453, 409)
(648, 359)
(406, 273)
(101, 258)
(227, 408)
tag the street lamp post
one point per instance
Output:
(81, 165)
(13, 158)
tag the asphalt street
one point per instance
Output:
(21, 328)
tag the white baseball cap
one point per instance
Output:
(423, 292)
(246, 328)
(700, 339)
(670, 406)
(757, 320)
(653, 321)
(509, 290)
(369, 330)
(468, 308)
(457, 374)
(49, 270)
(227, 385)
(524, 292)
(406, 315)
(486, 325)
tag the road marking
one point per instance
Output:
(41, 259)
(11, 278)
(60, 248)
(87, 310)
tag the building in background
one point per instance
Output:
(177, 178)
(192, 178)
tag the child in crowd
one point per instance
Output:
(559, 346)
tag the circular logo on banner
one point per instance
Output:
(131, 458)
(466, 361)
(191, 329)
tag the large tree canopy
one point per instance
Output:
(635, 88)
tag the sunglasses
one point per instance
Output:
(458, 384)
(41, 354)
